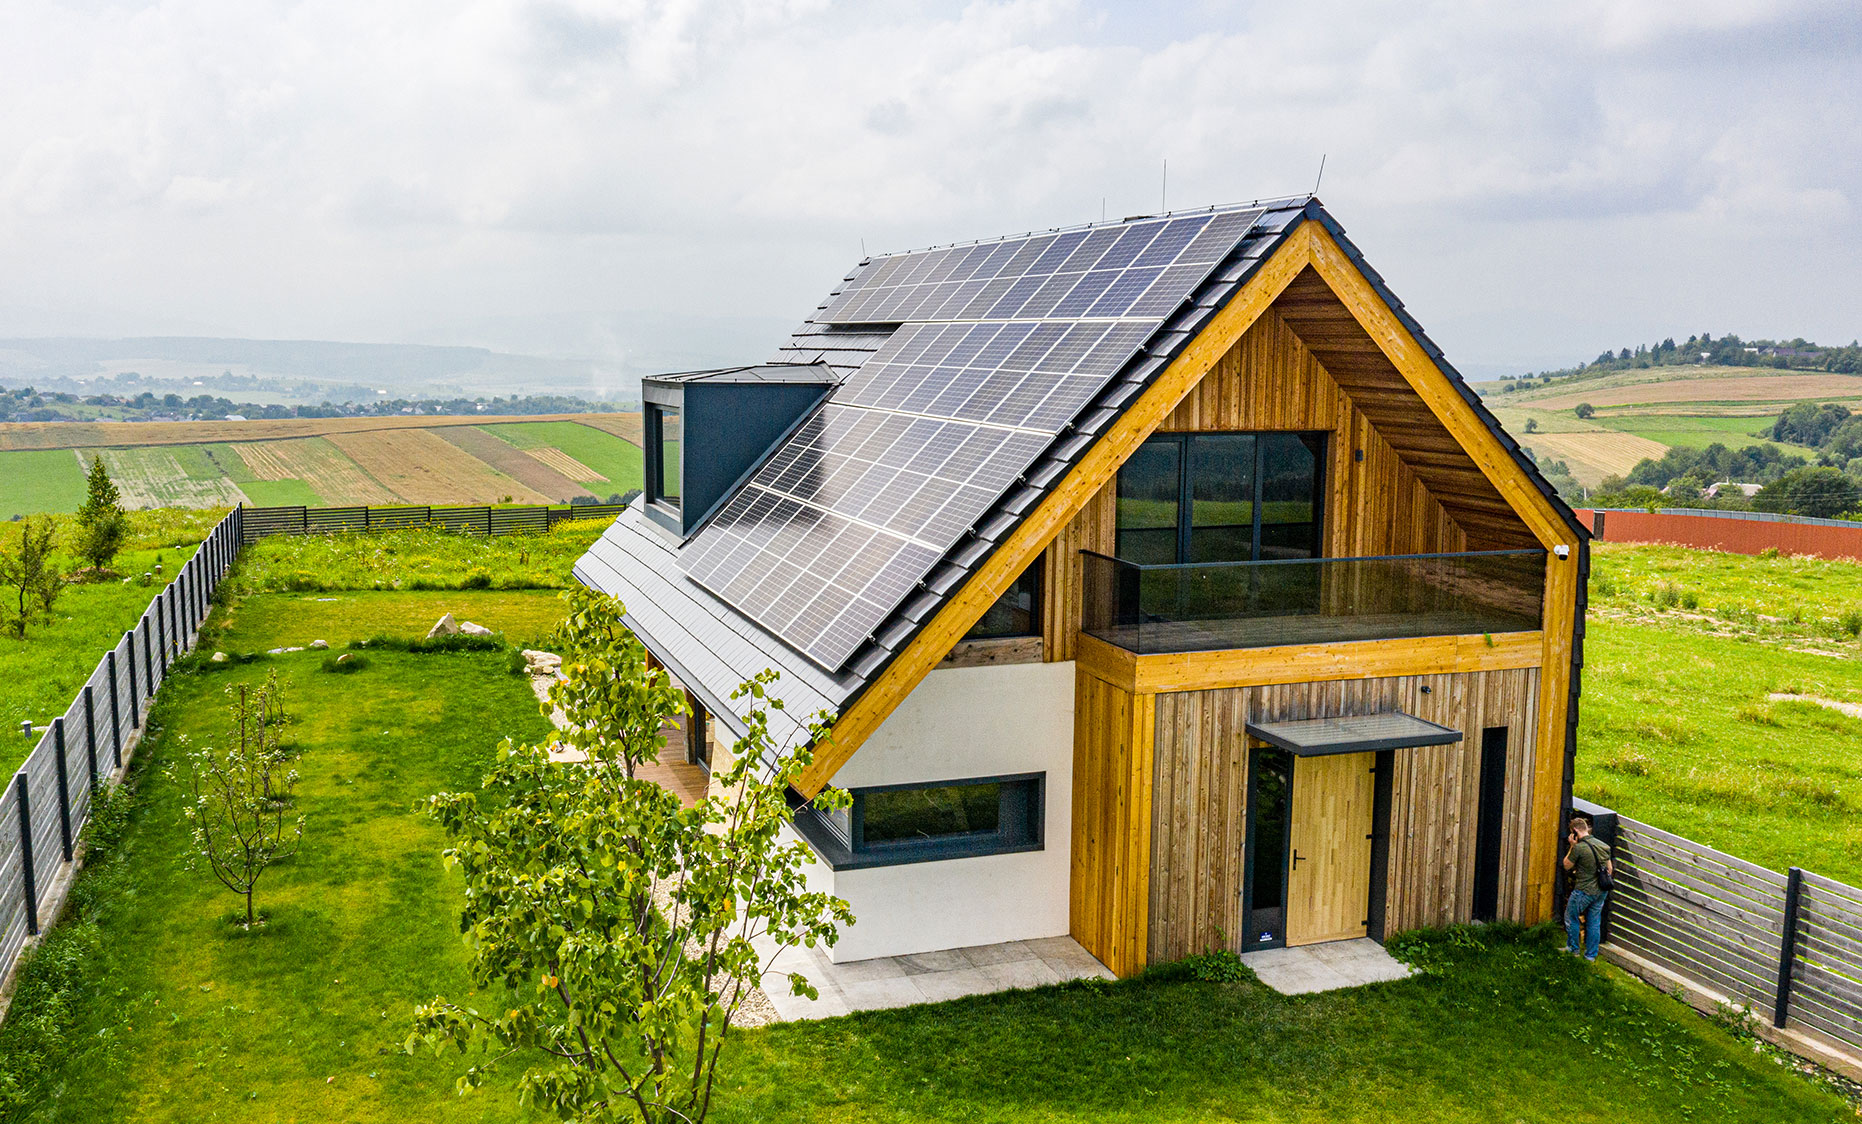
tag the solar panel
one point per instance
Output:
(998, 346)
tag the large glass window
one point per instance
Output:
(1221, 497)
(1017, 612)
(895, 824)
(665, 439)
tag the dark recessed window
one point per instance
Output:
(920, 822)
(665, 441)
(1017, 612)
(1221, 497)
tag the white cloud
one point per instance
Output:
(611, 175)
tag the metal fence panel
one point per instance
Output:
(13, 928)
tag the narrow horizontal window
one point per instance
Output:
(894, 824)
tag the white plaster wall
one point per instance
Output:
(958, 723)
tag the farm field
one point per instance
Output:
(1644, 413)
(176, 1015)
(338, 461)
(1684, 653)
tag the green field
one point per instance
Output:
(226, 461)
(1696, 433)
(149, 1005)
(1683, 650)
(617, 460)
(39, 480)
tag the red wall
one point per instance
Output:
(1738, 536)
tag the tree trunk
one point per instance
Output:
(248, 910)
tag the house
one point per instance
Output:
(1164, 585)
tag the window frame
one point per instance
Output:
(1018, 830)
(1185, 442)
(655, 457)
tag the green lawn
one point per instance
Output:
(616, 459)
(413, 560)
(277, 620)
(178, 1016)
(39, 480)
(1682, 651)
(44, 672)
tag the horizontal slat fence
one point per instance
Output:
(261, 522)
(48, 801)
(1785, 945)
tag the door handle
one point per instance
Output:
(1296, 860)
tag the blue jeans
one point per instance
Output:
(1584, 922)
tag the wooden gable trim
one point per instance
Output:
(1050, 517)
(1166, 672)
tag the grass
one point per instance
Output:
(183, 1017)
(617, 460)
(413, 560)
(276, 620)
(192, 1019)
(1496, 1032)
(45, 671)
(1683, 650)
(1695, 432)
(263, 493)
(40, 480)
(68, 435)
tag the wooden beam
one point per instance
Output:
(1100, 463)
(1309, 663)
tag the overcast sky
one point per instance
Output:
(678, 183)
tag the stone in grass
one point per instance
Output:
(219, 657)
(541, 663)
(445, 626)
(282, 651)
(345, 657)
(471, 629)
(319, 645)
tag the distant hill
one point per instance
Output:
(299, 371)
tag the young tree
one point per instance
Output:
(1584, 410)
(1532, 425)
(101, 522)
(30, 574)
(238, 801)
(615, 926)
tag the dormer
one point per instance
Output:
(708, 430)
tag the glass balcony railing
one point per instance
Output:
(1206, 606)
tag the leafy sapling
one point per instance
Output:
(30, 575)
(102, 526)
(618, 929)
(238, 800)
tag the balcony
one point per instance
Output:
(1211, 606)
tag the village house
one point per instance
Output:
(1165, 586)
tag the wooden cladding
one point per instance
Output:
(1200, 785)
(1113, 733)
(1356, 659)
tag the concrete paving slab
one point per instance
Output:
(1324, 967)
(930, 977)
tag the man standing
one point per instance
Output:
(1585, 859)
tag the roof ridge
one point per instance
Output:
(1275, 203)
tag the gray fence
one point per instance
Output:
(47, 803)
(259, 522)
(1787, 946)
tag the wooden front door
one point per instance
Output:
(1329, 870)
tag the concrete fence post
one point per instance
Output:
(1787, 952)
(25, 854)
(64, 785)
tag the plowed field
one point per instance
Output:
(419, 467)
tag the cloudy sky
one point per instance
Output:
(676, 183)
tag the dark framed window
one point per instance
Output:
(888, 825)
(665, 437)
(1222, 497)
(1016, 613)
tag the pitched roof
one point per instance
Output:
(695, 605)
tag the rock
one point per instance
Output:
(319, 645)
(445, 626)
(345, 657)
(219, 657)
(542, 663)
(471, 629)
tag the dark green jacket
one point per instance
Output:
(1587, 856)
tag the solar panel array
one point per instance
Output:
(1000, 345)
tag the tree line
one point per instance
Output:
(25, 404)
(1706, 350)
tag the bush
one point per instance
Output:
(346, 664)
(1218, 965)
(477, 578)
(1852, 622)
(459, 642)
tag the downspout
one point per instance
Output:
(1571, 713)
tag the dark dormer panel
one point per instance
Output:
(708, 430)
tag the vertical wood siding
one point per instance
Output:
(1200, 785)
(1112, 761)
